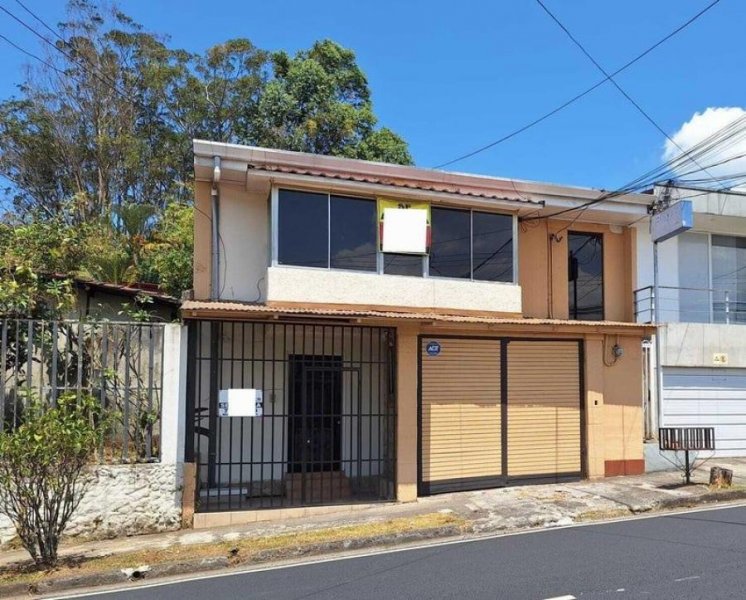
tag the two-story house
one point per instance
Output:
(702, 309)
(410, 331)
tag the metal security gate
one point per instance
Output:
(328, 425)
(707, 397)
(495, 411)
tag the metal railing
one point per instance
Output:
(119, 364)
(687, 305)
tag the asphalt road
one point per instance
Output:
(693, 555)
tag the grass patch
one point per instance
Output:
(601, 515)
(238, 551)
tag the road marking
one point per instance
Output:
(690, 578)
(568, 597)
(378, 552)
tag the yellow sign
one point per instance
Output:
(395, 206)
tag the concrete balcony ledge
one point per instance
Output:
(323, 286)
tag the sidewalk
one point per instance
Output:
(464, 513)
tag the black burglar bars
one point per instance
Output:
(118, 364)
(327, 434)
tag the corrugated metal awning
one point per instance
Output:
(244, 310)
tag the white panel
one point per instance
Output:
(405, 230)
(701, 397)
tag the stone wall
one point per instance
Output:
(124, 500)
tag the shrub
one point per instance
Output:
(42, 470)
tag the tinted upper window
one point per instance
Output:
(586, 276)
(492, 246)
(450, 254)
(303, 224)
(474, 245)
(352, 241)
(402, 264)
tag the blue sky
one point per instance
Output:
(450, 77)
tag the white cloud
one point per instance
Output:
(699, 127)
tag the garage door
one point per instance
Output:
(708, 398)
(461, 432)
(543, 409)
(495, 411)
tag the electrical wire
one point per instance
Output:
(31, 54)
(663, 172)
(94, 73)
(577, 97)
(610, 78)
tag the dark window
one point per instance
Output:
(303, 229)
(353, 234)
(474, 245)
(492, 246)
(402, 264)
(586, 276)
(450, 254)
(729, 278)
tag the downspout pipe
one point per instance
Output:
(215, 237)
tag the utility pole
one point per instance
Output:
(662, 201)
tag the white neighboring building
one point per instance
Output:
(702, 304)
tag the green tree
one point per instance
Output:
(319, 101)
(167, 257)
(106, 126)
(42, 470)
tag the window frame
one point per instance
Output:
(274, 211)
(275, 231)
(734, 313)
(599, 235)
(514, 245)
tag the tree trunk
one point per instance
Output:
(720, 477)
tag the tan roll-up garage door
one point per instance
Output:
(460, 427)
(544, 410)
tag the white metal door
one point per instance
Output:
(701, 397)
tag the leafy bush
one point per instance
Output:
(42, 470)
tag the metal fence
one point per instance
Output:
(327, 433)
(688, 305)
(120, 364)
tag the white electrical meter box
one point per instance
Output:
(240, 403)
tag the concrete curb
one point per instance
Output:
(192, 567)
(206, 565)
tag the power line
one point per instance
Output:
(31, 54)
(574, 99)
(657, 174)
(38, 18)
(614, 83)
(93, 73)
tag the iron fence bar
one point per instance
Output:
(16, 370)
(3, 365)
(151, 367)
(252, 377)
(79, 378)
(243, 385)
(53, 366)
(29, 358)
(41, 363)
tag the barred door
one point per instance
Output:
(327, 432)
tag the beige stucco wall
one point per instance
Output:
(244, 228)
(293, 284)
(543, 269)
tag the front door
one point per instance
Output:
(315, 416)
